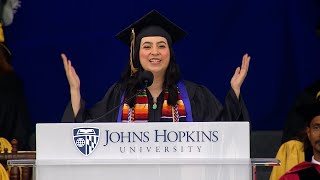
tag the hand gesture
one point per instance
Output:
(240, 74)
(72, 76)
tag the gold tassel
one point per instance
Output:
(133, 69)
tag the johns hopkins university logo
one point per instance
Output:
(86, 139)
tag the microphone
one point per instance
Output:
(145, 78)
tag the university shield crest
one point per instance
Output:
(86, 139)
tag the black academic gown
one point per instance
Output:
(204, 106)
(14, 117)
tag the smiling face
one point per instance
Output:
(154, 55)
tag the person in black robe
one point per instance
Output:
(14, 117)
(150, 40)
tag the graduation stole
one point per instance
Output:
(140, 111)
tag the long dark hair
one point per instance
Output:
(130, 84)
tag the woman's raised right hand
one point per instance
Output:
(73, 78)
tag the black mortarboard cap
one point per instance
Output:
(152, 19)
(310, 110)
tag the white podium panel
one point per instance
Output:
(145, 172)
(177, 151)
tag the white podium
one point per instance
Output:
(138, 151)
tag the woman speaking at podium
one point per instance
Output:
(162, 96)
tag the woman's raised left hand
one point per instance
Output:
(240, 75)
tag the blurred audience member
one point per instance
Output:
(300, 156)
(14, 120)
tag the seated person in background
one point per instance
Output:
(294, 128)
(14, 118)
(305, 169)
(14, 121)
(169, 98)
(292, 150)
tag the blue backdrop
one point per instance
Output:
(279, 35)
